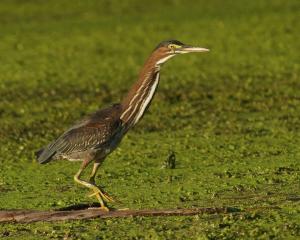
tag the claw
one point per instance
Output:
(106, 197)
(93, 194)
(103, 195)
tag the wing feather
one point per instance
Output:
(89, 134)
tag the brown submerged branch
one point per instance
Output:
(28, 216)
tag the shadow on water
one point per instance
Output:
(80, 206)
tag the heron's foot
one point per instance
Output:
(102, 203)
(102, 194)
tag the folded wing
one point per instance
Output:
(88, 135)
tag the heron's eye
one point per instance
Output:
(173, 46)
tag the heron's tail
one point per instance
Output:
(44, 155)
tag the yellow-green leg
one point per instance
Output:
(94, 171)
(97, 192)
(104, 195)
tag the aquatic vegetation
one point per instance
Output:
(231, 117)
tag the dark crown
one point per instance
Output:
(167, 42)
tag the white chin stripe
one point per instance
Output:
(163, 60)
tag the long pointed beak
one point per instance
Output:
(191, 49)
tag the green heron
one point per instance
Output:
(97, 135)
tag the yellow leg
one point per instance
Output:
(97, 192)
(94, 171)
(104, 195)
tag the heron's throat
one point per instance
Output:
(140, 95)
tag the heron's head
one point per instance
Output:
(168, 49)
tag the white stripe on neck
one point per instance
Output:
(136, 95)
(147, 100)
